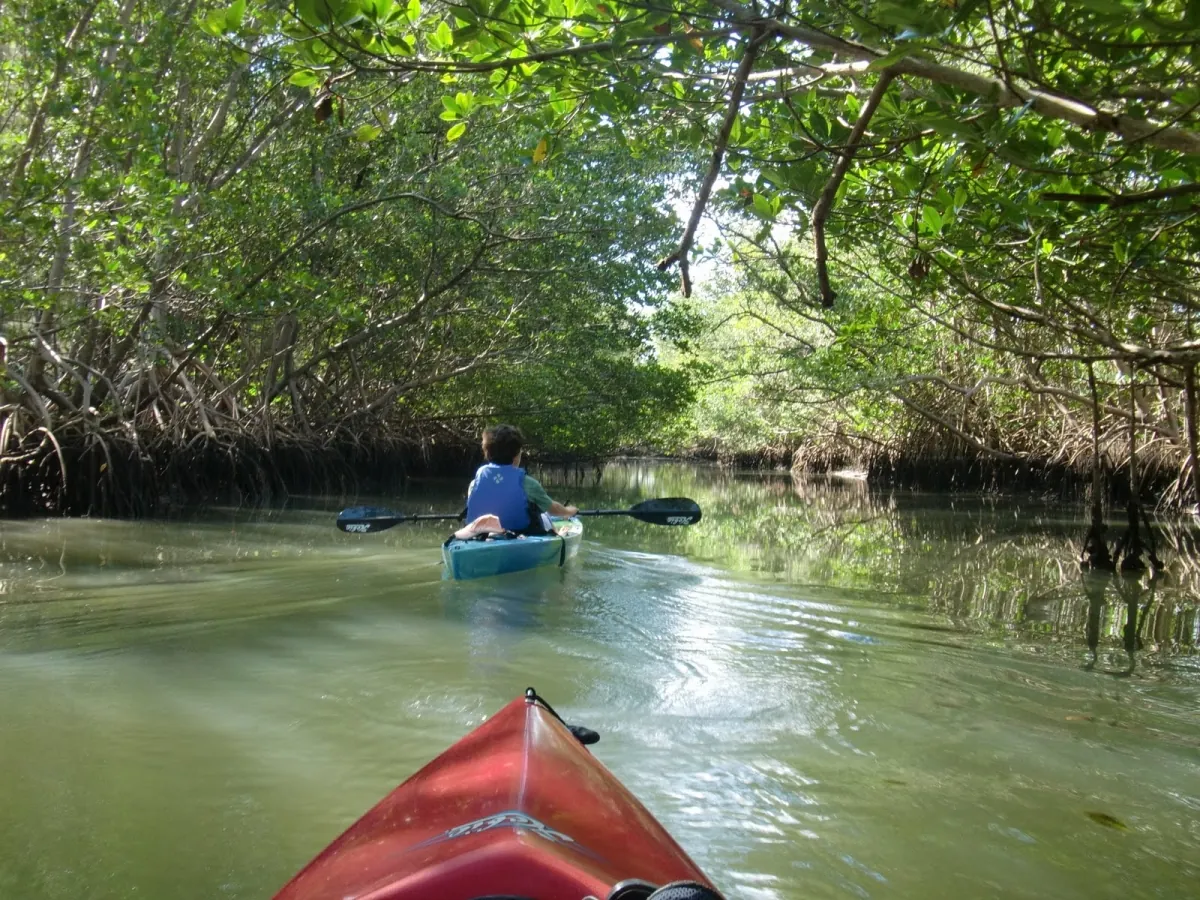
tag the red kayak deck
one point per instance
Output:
(518, 807)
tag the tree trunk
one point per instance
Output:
(1095, 544)
(1190, 397)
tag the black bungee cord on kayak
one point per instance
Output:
(582, 733)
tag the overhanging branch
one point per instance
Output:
(714, 167)
(825, 201)
(1119, 200)
(1054, 106)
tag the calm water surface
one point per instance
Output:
(821, 691)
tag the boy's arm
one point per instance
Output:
(537, 494)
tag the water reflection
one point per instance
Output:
(822, 690)
(1136, 596)
(999, 566)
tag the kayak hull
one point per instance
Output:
(518, 807)
(481, 559)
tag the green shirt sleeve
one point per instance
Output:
(537, 494)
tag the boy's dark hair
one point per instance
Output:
(502, 443)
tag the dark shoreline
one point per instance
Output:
(950, 474)
(129, 481)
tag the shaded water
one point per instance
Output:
(820, 691)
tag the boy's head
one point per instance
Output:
(502, 443)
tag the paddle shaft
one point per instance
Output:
(670, 511)
(367, 519)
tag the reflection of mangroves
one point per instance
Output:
(986, 563)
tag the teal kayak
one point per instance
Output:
(474, 558)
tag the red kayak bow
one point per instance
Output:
(518, 809)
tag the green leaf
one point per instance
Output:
(367, 133)
(900, 15)
(235, 15)
(401, 46)
(304, 78)
(1106, 7)
(214, 23)
(379, 10)
(941, 124)
(894, 56)
(315, 13)
(931, 220)
(456, 131)
(762, 207)
(348, 12)
(464, 36)
(443, 37)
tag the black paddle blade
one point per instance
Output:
(667, 511)
(367, 519)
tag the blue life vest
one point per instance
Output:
(500, 491)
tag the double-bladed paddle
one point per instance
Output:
(667, 511)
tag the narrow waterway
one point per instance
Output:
(821, 690)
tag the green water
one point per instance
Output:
(821, 691)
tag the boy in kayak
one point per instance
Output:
(502, 497)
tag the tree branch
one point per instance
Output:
(365, 334)
(714, 167)
(949, 426)
(1118, 200)
(1089, 118)
(416, 64)
(825, 201)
